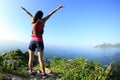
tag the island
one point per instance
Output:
(108, 45)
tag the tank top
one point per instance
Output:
(38, 27)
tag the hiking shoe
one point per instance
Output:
(45, 76)
(32, 75)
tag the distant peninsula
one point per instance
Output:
(108, 45)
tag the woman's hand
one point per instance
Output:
(23, 8)
(61, 6)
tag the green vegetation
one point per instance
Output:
(15, 62)
(80, 69)
(0, 76)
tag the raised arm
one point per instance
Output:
(50, 14)
(30, 15)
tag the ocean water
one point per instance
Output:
(7, 45)
(103, 55)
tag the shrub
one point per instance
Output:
(1, 76)
(78, 69)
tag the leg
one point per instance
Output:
(40, 59)
(31, 58)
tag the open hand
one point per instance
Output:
(23, 8)
(60, 6)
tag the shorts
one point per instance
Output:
(36, 45)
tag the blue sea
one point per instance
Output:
(104, 55)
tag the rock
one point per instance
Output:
(47, 71)
(7, 76)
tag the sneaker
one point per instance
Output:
(32, 75)
(44, 76)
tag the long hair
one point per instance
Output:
(38, 16)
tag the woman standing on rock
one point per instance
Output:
(37, 39)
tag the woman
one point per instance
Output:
(37, 39)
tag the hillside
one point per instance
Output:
(14, 62)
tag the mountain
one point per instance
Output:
(108, 45)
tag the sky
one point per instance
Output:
(78, 23)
